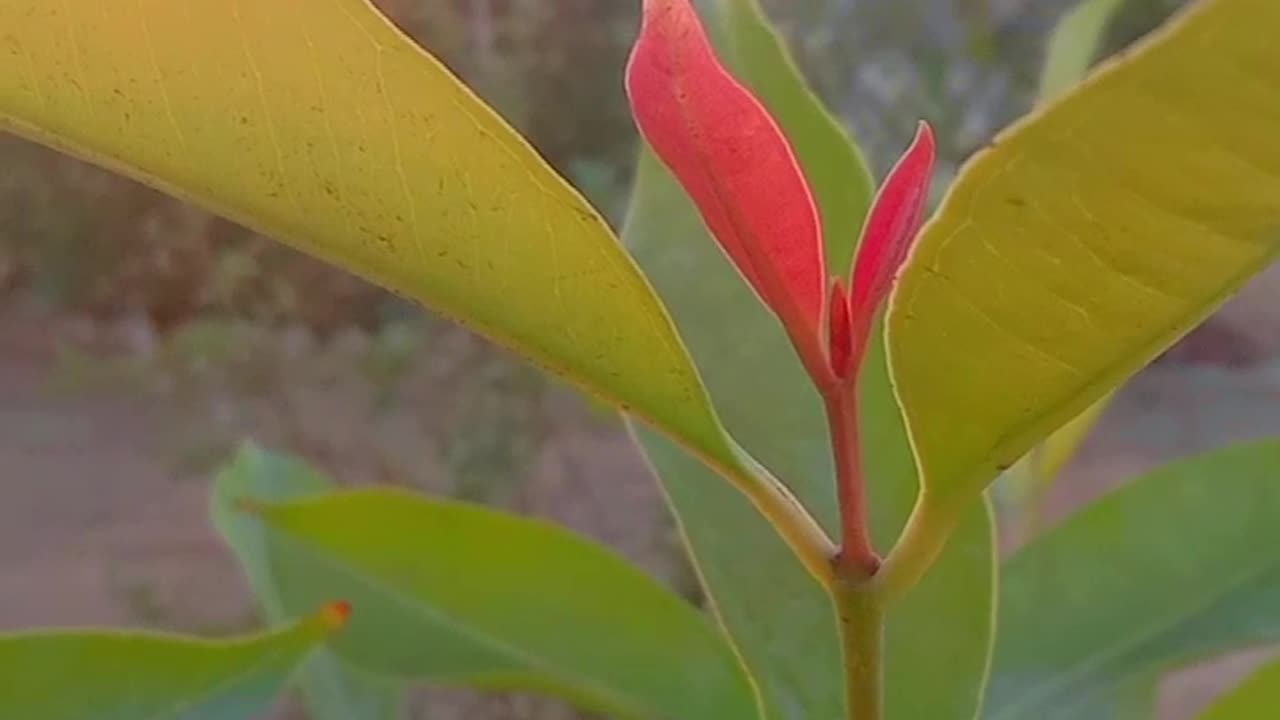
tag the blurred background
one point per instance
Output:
(142, 339)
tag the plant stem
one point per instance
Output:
(774, 501)
(858, 606)
(861, 613)
(857, 560)
(930, 525)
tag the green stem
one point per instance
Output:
(926, 533)
(861, 614)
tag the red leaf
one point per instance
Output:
(734, 162)
(839, 332)
(892, 225)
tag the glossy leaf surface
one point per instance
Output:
(1087, 239)
(460, 594)
(124, 675)
(1162, 572)
(331, 689)
(781, 620)
(320, 124)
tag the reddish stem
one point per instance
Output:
(857, 559)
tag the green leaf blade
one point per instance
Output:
(1087, 239)
(1181, 578)
(118, 675)
(331, 688)
(460, 594)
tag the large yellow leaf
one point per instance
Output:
(319, 123)
(1088, 238)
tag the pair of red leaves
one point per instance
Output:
(735, 163)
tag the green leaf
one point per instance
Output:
(121, 675)
(1087, 239)
(1167, 570)
(780, 620)
(1073, 46)
(1257, 698)
(331, 689)
(320, 124)
(460, 594)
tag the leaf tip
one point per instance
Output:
(335, 615)
(839, 331)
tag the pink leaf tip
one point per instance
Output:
(892, 225)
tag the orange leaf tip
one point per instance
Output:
(335, 615)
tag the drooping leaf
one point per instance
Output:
(459, 594)
(780, 620)
(1165, 571)
(125, 675)
(1087, 239)
(320, 124)
(1257, 698)
(734, 161)
(331, 688)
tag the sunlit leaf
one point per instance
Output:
(320, 124)
(1088, 238)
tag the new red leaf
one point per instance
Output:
(839, 332)
(734, 162)
(891, 227)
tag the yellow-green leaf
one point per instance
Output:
(319, 123)
(1088, 238)
(1257, 698)
(121, 675)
